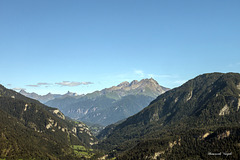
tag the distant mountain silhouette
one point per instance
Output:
(111, 104)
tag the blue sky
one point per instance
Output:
(87, 45)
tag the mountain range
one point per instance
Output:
(47, 97)
(111, 104)
(31, 130)
(198, 120)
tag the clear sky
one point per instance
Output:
(87, 45)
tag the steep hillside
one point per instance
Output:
(117, 110)
(111, 104)
(30, 129)
(207, 103)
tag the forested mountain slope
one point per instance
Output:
(202, 112)
(29, 129)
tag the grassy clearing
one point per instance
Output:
(81, 151)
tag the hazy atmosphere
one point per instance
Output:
(119, 79)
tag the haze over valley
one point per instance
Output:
(120, 80)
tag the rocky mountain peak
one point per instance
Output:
(70, 94)
(209, 100)
(110, 104)
(149, 81)
(22, 91)
(134, 82)
(123, 84)
(149, 87)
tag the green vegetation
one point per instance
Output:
(31, 130)
(188, 145)
(195, 121)
(95, 128)
(179, 118)
(82, 152)
(112, 104)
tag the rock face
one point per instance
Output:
(224, 110)
(111, 104)
(58, 113)
(34, 130)
(199, 110)
(148, 87)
